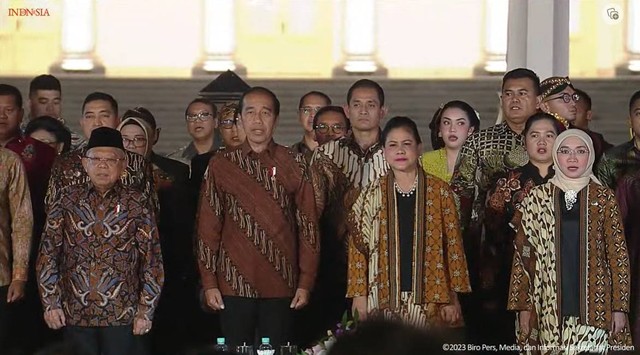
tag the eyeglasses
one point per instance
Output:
(567, 97)
(578, 152)
(202, 117)
(138, 142)
(227, 123)
(324, 129)
(307, 110)
(111, 162)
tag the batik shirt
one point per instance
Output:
(302, 148)
(484, 156)
(68, 171)
(257, 231)
(100, 259)
(604, 262)
(618, 162)
(16, 219)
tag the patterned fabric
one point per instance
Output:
(257, 228)
(100, 259)
(604, 264)
(483, 158)
(503, 200)
(440, 266)
(339, 167)
(68, 171)
(302, 148)
(435, 163)
(16, 220)
(618, 162)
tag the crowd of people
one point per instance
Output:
(107, 247)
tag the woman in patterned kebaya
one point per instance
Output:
(570, 274)
(450, 127)
(406, 259)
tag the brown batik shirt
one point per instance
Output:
(16, 219)
(100, 259)
(257, 231)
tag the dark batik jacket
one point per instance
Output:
(68, 171)
(100, 259)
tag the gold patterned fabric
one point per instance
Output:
(440, 265)
(16, 218)
(604, 264)
(435, 163)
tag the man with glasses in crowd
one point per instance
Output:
(339, 170)
(99, 110)
(100, 266)
(330, 123)
(561, 100)
(308, 107)
(200, 116)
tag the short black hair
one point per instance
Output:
(53, 126)
(541, 116)
(366, 84)
(97, 96)
(523, 73)
(584, 97)
(315, 93)
(635, 97)
(261, 90)
(400, 122)
(337, 109)
(143, 114)
(10, 90)
(44, 82)
(474, 121)
(214, 108)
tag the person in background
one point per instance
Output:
(99, 110)
(50, 131)
(16, 229)
(174, 325)
(504, 198)
(624, 159)
(561, 100)
(45, 99)
(339, 169)
(257, 231)
(570, 277)
(232, 135)
(329, 124)
(584, 116)
(450, 127)
(38, 159)
(327, 299)
(484, 157)
(200, 116)
(100, 265)
(400, 228)
(308, 107)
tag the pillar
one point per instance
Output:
(539, 36)
(495, 38)
(78, 38)
(359, 40)
(219, 38)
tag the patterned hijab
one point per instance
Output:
(560, 179)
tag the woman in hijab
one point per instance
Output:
(570, 274)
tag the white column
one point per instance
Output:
(359, 38)
(219, 37)
(495, 41)
(539, 36)
(78, 37)
(633, 34)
